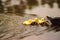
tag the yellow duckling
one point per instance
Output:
(28, 22)
(35, 20)
(41, 21)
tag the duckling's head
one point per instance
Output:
(35, 18)
(42, 19)
(30, 20)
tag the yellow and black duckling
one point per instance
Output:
(42, 21)
(35, 21)
(31, 21)
(28, 22)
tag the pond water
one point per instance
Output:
(43, 11)
(11, 27)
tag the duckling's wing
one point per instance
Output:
(27, 22)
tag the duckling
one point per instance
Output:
(41, 20)
(28, 22)
(36, 21)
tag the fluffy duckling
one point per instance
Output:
(41, 20)
(28, 22)
(35, 21)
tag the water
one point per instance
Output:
(45, 10)
(11, 27)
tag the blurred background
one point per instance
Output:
(17, 10)
(39, 7)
